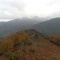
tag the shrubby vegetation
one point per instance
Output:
(55, 39)
(14, 46)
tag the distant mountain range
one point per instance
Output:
(16, 25)
(51, 26)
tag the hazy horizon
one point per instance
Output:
(34, 17)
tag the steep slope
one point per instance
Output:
(49, 27)
(29, 45)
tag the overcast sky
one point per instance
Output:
(10, 9)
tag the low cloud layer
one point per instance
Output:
(10, 9)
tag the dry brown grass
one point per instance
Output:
(29, 48)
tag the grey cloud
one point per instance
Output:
(9, 8)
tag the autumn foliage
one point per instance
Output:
(30, 45)
(14, 45)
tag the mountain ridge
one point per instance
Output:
(15, 25)
(49, 27)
